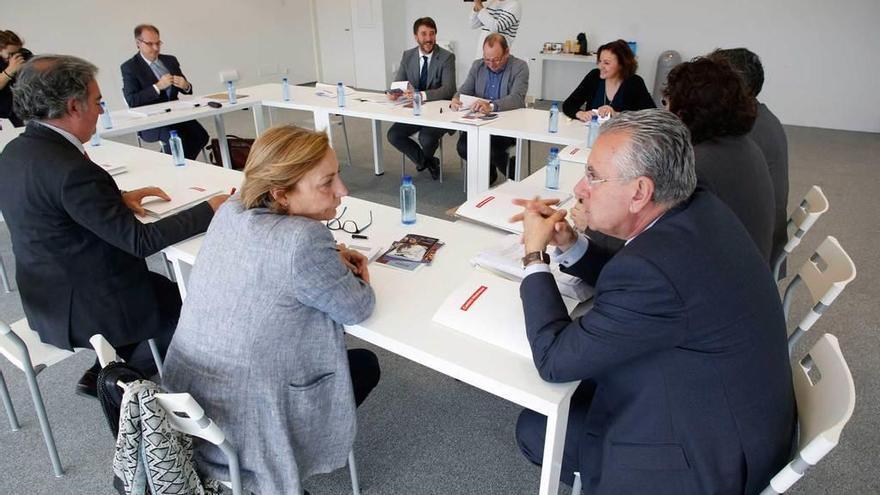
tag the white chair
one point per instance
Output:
(23, 348)
(824, 407)
(801, 220)
(826, 274)
(187, 416)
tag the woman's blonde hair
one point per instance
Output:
(278, 160)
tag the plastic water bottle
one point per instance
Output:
(340, 94)
(230, 91)
(96, 139)
(407, 201)
(551, 181)
(106, 121)
(417, 103)
(594, 131)
(554, 118)
(285, 89)
(176, 149)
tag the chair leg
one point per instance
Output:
(7, 403)
(352, 468)
(402, 165)
(140, 143)
(5, 277)
(576, 486)
(463, 167)
(154, 348)
(40, 407)
(205, 156)
(441, 159)
(529, 153)
(345, 135)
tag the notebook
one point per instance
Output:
(113, 169)
(495, 209)
(182, 197)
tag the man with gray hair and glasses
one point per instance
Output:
(686, 386)
(79, 248)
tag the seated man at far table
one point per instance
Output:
(501, 81)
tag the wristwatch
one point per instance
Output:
(541, 256)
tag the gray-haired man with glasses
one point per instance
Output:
(150, 77)
(686, 386)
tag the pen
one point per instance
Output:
(441, 109)
(358, 236)
(232, 191)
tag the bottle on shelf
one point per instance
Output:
(407, 201)
(551, 181)
(176, 145)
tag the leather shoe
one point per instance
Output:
(434, 167)
(424, 164)
(88, 385)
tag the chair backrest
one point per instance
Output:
(826, 397)
(186, 415)
(804, 216)
(106, 352)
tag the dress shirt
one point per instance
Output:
(492, 91)
(68, 136)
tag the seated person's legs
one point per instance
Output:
(498, 155)
(194, 138)
(399, 137)
(364, 368)
(531, 428)
(462, 148)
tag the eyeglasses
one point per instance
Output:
(349, 226)
(157, 44)
(593, 181)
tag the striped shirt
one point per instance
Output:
(501, 17)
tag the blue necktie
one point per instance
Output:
(160, 71)
(423, 75)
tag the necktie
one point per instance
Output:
(423, 75)
(161, 71)
(86, 155)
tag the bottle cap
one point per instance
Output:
(173, 133)
(554, 150)
(284, 79)
(407, 179)
(596, 118)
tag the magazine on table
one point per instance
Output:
(477, 118)
(411, 252)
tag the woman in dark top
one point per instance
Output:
(12, 57)
(612, 87)
(711, 99)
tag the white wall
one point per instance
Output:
(260, 38)
(821, 59)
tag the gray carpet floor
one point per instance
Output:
(421, 432)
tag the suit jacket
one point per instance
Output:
(686, 343)
(733, 168)
(514, 83)
(441, 72)
(260, 345)
(769, 135)
(137, 85)
(79, 251)
(632, 94)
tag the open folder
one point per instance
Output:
(489, 308)
(182, 197)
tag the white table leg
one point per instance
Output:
(479, 141)
(259, 119)
(554, 444)
(377, 147)
(181, 275)
(518, 159)
(224, 144)
(322, 123)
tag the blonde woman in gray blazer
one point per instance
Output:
(260, 343)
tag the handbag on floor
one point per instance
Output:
(239, 148)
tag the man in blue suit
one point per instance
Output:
(686, 380)
(150, 77)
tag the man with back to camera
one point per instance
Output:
(79, 249)
(769, 135)
(686, 381)
(430, 69)
(496, 16)
(501, 81)
(150, 77)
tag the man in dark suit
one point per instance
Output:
(501, 81)
(430, 70)
(150, 77)
(79, 249)
(686, 380)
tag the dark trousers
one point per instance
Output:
(364, 368)
(418, 153)
(191, 133)
(531, 429)
(138, 354)
(498, 156)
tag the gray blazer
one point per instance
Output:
(441, 72)
(260, 346)
(514, 83)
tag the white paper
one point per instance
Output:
(489, 308)
(324, 89)
(401, 85)
(182, 197)
(495, 209)
(575, 153)
(113, 169)
(468, 101)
